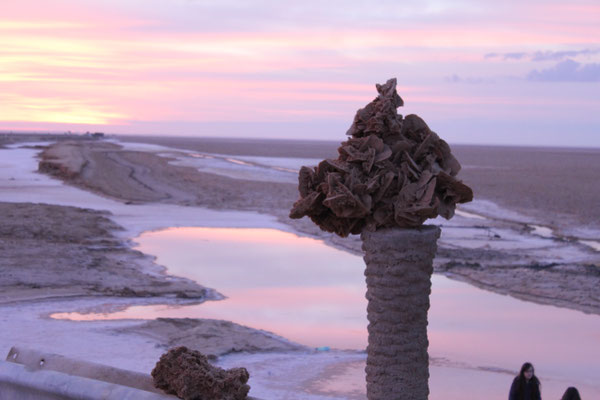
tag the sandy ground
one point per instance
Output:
(53, 251)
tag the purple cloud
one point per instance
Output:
(560, 55)
(514, 56)
(567, 71)
(542, 55)
(506, 56)
(455, 78)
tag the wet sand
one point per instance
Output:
(51, 251)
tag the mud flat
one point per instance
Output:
(51, 251)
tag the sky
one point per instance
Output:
(515, 72)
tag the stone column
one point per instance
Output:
(398, 273)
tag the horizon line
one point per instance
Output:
(230, 138)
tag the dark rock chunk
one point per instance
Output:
(188, 375)
(391, 172)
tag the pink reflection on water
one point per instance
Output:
(313, 294)
(276, 281)
(494, 330)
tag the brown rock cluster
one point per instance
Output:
(392, 172)
(188, 375)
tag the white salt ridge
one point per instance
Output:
(290, 163)
(132, 146)
(548, 233)
(234, 167)
(490, 209)
(468, 214)
(560, 251)
(255, 168)
(591, 243)
(542, 231)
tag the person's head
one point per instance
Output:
(571, 394)
(527, 371)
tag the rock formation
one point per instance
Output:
(188, 375)
(392, 172)
(389, 177)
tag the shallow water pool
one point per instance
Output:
(313, 294)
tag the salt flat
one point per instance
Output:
(487, 245)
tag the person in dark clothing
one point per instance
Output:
(525, 386)
(571, 394)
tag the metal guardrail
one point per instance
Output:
(20, 383)
(33, 375)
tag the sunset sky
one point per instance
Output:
(521, 72)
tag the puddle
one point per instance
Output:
(273, 280)
(313, 294)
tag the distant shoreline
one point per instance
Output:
(557, 186)
(127, 137)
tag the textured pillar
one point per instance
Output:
(399, 267)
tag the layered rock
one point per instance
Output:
(392, 172)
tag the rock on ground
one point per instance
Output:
(188, 374)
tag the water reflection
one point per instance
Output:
(273, 280)
(313, 294)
